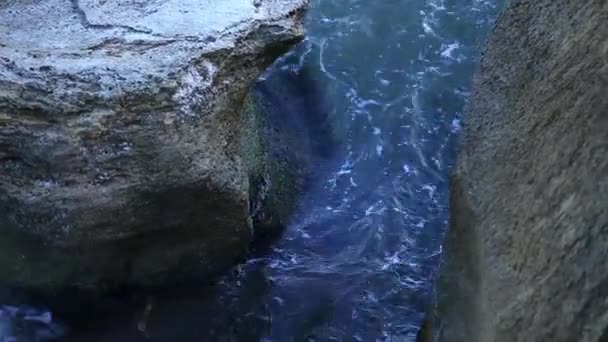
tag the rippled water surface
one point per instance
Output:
(358, 259)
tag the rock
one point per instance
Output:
(526, 255)
(286, 100)
(121, 136)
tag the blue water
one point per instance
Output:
(359, 257)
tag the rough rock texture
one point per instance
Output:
(526, 256)
(286, 100)
(121, 136)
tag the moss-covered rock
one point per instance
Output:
(275, 173)
(289, 132)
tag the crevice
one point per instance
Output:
(86, 23)
(121, 44)
(604, 337)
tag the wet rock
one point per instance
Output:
(289, 101)
(121, 136)
(526, 255)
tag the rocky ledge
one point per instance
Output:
(125, 155)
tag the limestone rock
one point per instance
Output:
(121, 159)
(526, 256)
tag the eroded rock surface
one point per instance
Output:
(526, 256)
(121, 136)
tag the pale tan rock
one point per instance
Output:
(121, 157)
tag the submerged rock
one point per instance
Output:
(526, 255)
(122, 135)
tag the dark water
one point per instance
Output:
(358, 260)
